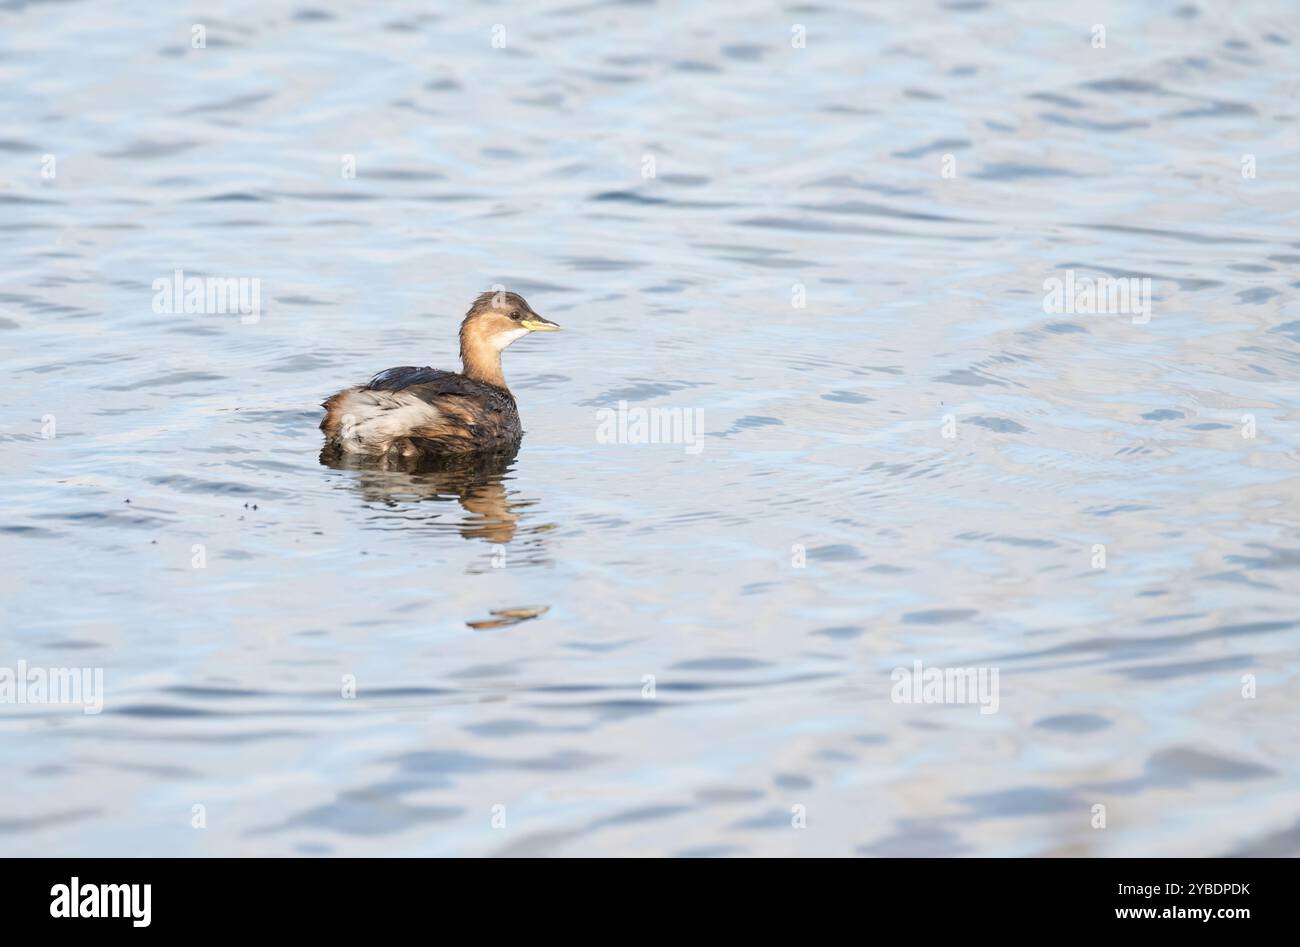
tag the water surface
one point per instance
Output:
(502, 629)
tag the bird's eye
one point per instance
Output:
(514, 314)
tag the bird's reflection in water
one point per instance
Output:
(477, 482)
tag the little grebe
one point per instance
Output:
(427, 413)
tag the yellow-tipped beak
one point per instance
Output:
(540, 325)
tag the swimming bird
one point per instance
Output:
(412, 413)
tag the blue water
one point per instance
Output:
(832, 254)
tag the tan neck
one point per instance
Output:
(482, 363)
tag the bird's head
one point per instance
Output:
(496, 320)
